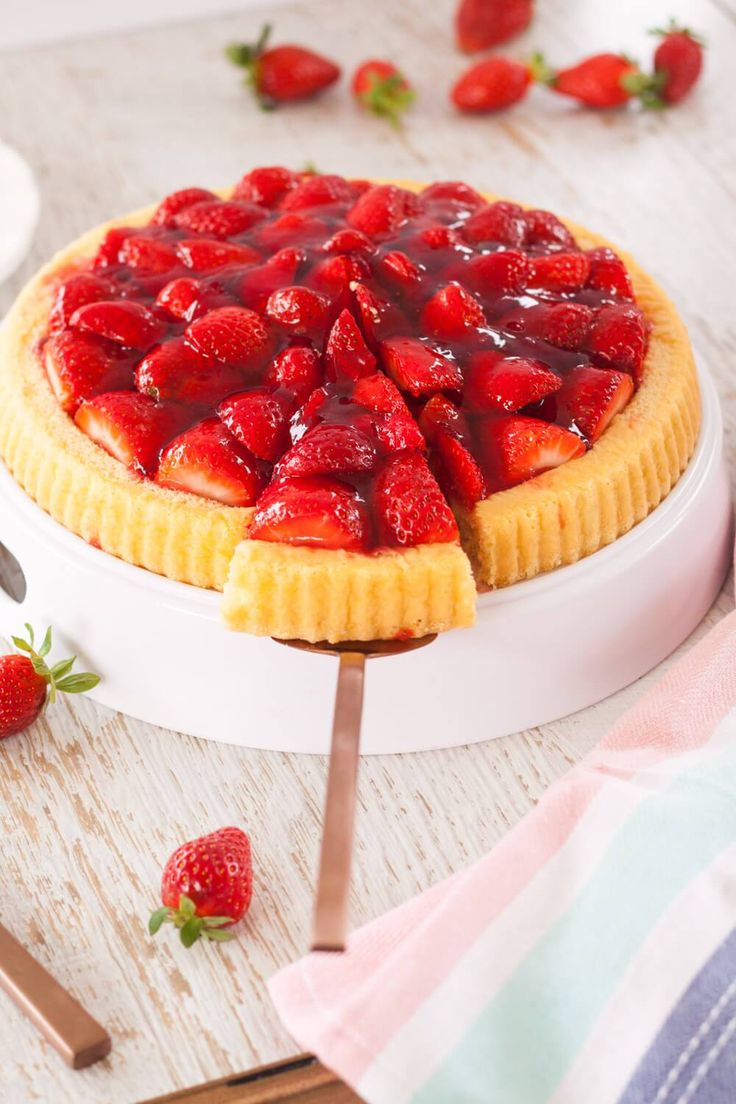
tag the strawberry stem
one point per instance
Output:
(387, 97)
(247, 56)
(58, 677)
(191, 927)
(540, 70)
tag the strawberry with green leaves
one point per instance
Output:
(28, 683)
(282, 74)
(381, 88)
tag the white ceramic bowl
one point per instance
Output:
(540, 649)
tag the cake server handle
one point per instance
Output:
(330, 928)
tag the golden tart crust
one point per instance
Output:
(553, 519)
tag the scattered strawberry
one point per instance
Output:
(346, 353)
(148, 255)
(206, 460)
(234, 335)
(329, 449)
(266, 186)
(171, 206)
(501, 223)
(133, 428)
(418, 368)
(482, 24)
(282, 74)
(219, 218)
(381, 88)
(296, 368)
(205, 255)
(559, 271)
(678, 62)
(259, 419)
(491, 274)
(608, 273)
(590, 398)
(491, 85)
(542, 227)
(124, 322)
(27, 683)
(601, 81)
(300, 311)
(452, 313)
(409, 505)
(618, 339)
(382, 210)
(507, 384)
(516, 448)
(317, 191)
(316, 512)
(82, 365)
(175, 371)
(207, 886)
(78, 291)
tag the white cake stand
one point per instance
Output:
(540, 649)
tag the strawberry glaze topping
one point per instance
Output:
(327, 351)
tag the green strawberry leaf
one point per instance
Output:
(157, 918)
(78, 684)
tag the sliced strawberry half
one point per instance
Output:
(78, 291)
(492, 274)
(122, 321)
(207, 461)
(133, 428)
(316, 512)
(448, 430)
(418, 368)
(564, 325)
(317, 191)
(329, 449)
(174, 370)
(515, 448)
(559, 271)
(502, 223)
(495, 382)
(618, 339)
(398, 432)
(346, 354)
(544, 228)
(378, 393)
(206, 255)
(171, 206)
(335, 277)
(108, 251)
(82, 365)
(452, 313)
(400, 272)
(259, 419)
(382, 210)
(379, 318)
(609, 273)
(296, 368)
(233, 335)
(300, 311)
(590, 398)
(349, 241)
(219, 218)
(409, 506)
(148, 255)
(266, 186)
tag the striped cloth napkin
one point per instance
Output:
(590, 958)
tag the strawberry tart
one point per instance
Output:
(345, 404)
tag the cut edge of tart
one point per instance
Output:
(549, 520)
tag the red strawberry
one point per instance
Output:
(440, 413)
(186, 299)
(590, 398)
(266, 186)
(379, 318)
(329, 449)
(502, 222)
(206, 460)
(27, 683)
(542, 227)
(124, 322)
(409, 506)
(300, 311)
(317, 512)
(393, 425)
(565, 325)
(678, 62)
(438, 240)
(317, 190)
(171, 206)
(382, 210)
(482, 24)
(493, 274)
(204, 255)
(491, 85)
(346, 353)
(418, 368)
(131, 427)
(348, 241)
(448, 430)
(400, 272)
(601, 81)
(282, 74)
(219, 218)
(258, 283)
(207, 885)
(381, 88)
(259, 419)
(82, 365)
(447, 200)
(495, 382)
(175, 371)
(618, 339)
(452, 313)
(516, 448)
(559, 271)
(148, 255)
(336, 276)
(290, 229)
(397, 432)
(379, 394)
(608, 273)
(234, 335)
(296, 368)
(78, 291)
(108, 252)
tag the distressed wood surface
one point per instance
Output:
(92, 802)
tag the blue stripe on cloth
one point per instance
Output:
(693, 1058)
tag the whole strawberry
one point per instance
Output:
(601, 81)
(491, 85)
(481, 24)
(27, 683)
(282, 74)
(206, 886)
(678, 63)
(383, 89)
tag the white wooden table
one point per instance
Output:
(91, 803)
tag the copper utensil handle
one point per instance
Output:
(333, 884)
(78, 1038)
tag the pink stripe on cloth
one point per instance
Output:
(346, 1008)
